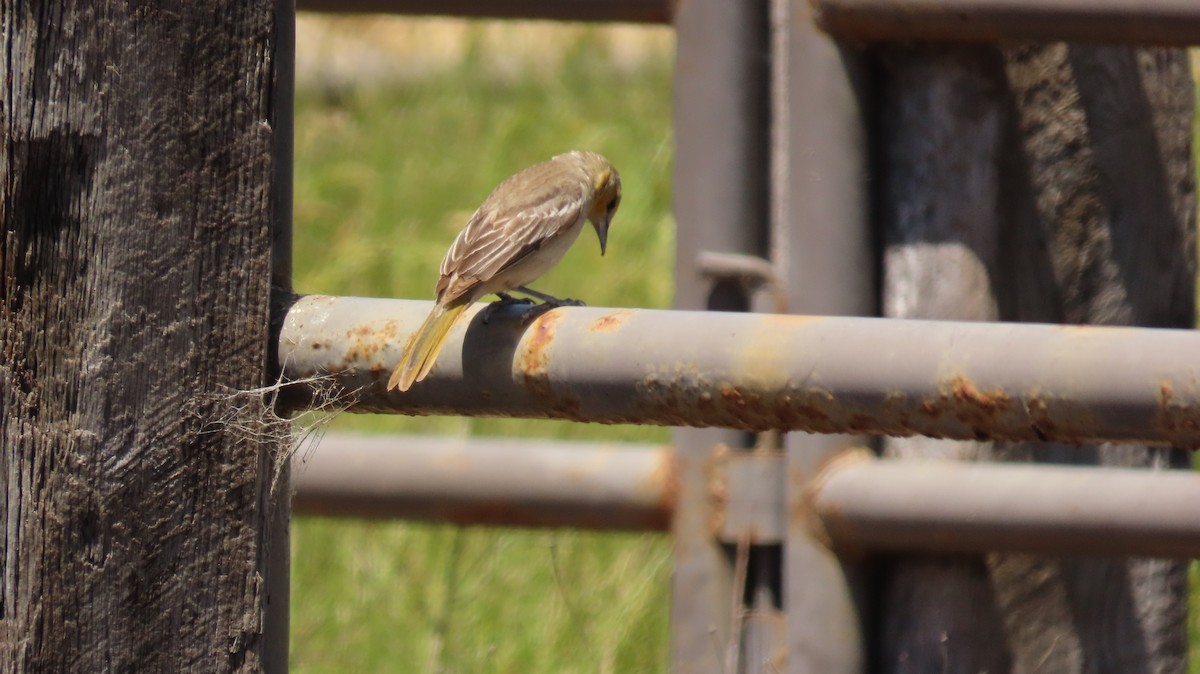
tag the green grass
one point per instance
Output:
(1193, 617)
(385, 177)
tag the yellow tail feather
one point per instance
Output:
(423, 348)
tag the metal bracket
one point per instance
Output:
(757, 275)
(749, 496)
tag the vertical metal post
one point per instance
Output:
(721, 169)
(822, 248)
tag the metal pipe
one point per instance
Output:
(950, 506)
(823, 249)
(856, 503)
(640, 11)
(1001, 381)
(722, 146)
(1161, 22)
(488, 481)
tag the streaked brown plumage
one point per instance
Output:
(522, 230)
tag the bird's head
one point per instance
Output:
(606, 197)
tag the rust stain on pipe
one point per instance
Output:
(808, 514)
(666, 479)
(1175, 417)
(1041, 423)
(535, 358)
(610, 322)
(977, 409)
(533, 362)
(964, 391)
(365, 342)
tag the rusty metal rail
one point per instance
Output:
(1160, 22)
(641, 11)
(855, 503)
(488, 481)
(949, 506)
(759, 372)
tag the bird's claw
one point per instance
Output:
(555, 302)
(534, 312)
(504, 301)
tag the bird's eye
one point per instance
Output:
(612, 205)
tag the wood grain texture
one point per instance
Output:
(136, 185)
(1037, 183)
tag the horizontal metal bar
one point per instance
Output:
(946, 506)
(1002, 381)
(637, 11)
(488, 481)
(1142, 22)
(858, 503)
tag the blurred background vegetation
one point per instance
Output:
(402, 128)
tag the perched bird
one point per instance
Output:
(522, 230)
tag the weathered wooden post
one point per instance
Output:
(140, 180)
(1039, 183)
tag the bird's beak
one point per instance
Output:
(602, 232)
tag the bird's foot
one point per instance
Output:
(564, 302)
(534, 312)
(505, 300)
(550, 300)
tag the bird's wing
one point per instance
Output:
(513, 222)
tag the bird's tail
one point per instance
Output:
(423, 348)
